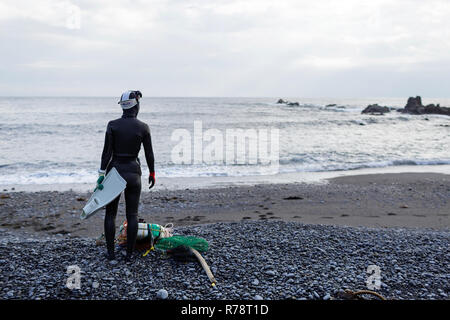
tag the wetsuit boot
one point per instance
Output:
(132, 229)
(110, 227)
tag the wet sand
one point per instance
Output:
(411, 200)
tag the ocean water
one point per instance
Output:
(60, 140)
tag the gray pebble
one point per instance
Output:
(162, 294)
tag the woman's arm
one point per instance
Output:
(149, 157)
(148, 148)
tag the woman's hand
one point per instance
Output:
(151, 180)
(101, 177)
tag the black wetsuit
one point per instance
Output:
(123, 140)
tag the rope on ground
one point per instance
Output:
(205, 266)
(356, 294)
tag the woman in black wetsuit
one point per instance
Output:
(123, 140)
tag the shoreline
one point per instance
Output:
(195, 183)
(404, 200)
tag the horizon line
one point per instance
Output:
(218, 97)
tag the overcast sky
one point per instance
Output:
(313, 48)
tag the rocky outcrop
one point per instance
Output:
(281, 101)
(437, 109)
(376, 109)
(415, 106)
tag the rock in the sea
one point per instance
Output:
(376, 109)
(437, 109)
(415, 106)
(281, 101)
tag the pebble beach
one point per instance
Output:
(250, 260)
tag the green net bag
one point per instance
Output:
(198, 244)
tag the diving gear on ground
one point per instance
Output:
(175, 241)
(113, 185)
(181, 248)
(157, 231)
(151, 180)
(129, 99)
(147, 235)
(152, 235)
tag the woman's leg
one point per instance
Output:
(110, 226)
(132, 196)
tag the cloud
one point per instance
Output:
(61, 13)
(50, 65)
(221, 47)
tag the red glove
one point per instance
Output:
(151, 180)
